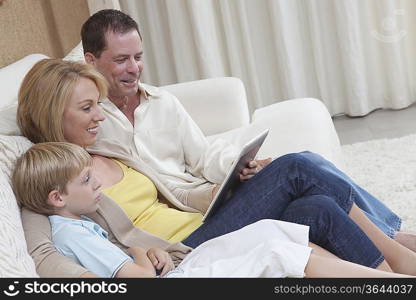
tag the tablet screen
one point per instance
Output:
(232, 179)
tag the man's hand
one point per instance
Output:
(160, 259)
(215, 190)
(253, 167)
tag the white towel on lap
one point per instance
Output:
(267, 248)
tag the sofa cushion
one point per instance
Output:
(76, 54)
(14, 258)
(11, 78)
(8, 123)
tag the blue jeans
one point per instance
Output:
(331, 228)
(288, 179)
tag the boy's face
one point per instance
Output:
(83, 194)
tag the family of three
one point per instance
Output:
(132, 205)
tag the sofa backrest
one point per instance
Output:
(217, 105)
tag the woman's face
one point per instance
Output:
(82, 114)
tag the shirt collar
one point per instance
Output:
(145, 91)
(85, 221)
(149, 90)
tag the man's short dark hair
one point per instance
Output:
(94, 29)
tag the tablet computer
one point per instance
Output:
(232, 179)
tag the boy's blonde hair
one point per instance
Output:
(46, 167)
(44, 93)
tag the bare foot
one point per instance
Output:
(407, 239)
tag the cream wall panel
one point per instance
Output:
(50, 27)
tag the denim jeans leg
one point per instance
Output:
(376, 211)
(331, 228)
(268, 194)
(264, 196)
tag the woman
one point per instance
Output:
(58, 101)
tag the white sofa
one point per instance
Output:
(219, 107)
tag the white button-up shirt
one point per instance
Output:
(167, 140)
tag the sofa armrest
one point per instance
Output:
(298, 125)
(216, 104)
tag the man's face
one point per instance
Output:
(121, 62)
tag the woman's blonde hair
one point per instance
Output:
(44, 93)
(46, 167)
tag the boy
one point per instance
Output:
(56, 179)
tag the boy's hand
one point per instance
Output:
(160, 259)
(136, 251)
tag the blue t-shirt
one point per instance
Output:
(85, 242)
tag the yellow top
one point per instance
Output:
(137, 196)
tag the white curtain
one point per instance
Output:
(96, 5)
(354, 55)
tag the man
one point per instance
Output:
(150, 126)
(155, 126)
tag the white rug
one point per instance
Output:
(387, 169)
